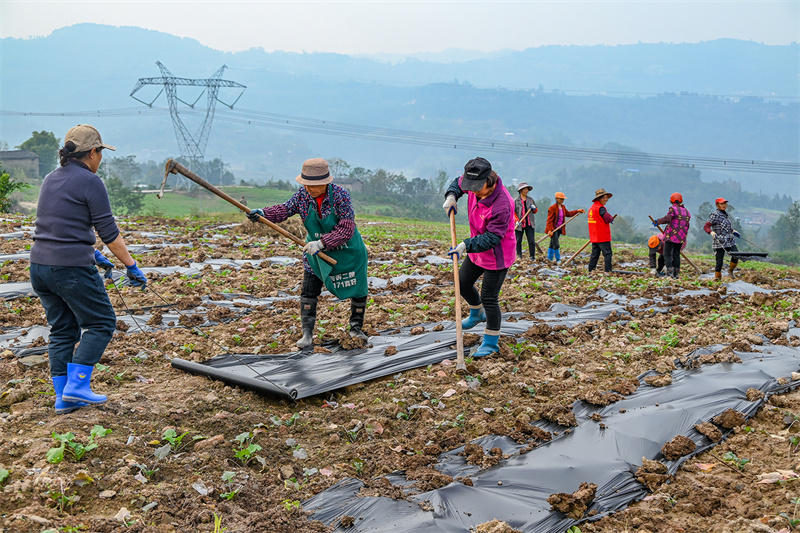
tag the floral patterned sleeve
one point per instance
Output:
(280, 212)
(346, 227)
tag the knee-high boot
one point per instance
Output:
(308, 317)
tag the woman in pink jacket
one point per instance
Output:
(490, 249)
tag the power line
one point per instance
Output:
(341, 129)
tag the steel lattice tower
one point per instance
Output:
(192, 147)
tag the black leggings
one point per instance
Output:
(490, 290)
(312, 287)
(598, 247)
(530, 234)
(554, 244)
(721, 257)
(672, 254)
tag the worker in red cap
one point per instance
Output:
(557, 214)
(675, 234)
(724, 237)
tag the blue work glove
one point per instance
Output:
(458, 251)
(313, 247)
(449, 205)
(136, 276)
(103, 263)
(736, 234)
(655, 224)
(254, 214)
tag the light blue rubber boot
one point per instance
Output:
(63, 407)
(551, 254)
(78, 387)
(557, 254)
(476, 316)
(488, 346)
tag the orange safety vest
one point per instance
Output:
(599, 229)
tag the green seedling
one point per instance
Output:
(291, 505)
(793, 521)
(574, 529)
(145, 471)
(247, 450)
(230, 492)
(173, 438)
(61, 500)
(358, 464)
(76, 449)
(4, 476)
(218, 524)
(733, 458)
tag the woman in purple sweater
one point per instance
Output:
(73, 204)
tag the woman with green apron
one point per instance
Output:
(328, 216)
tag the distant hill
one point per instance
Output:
(703, 99)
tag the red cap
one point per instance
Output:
(676, 197)
(720, 200)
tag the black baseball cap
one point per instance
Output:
(476, 172)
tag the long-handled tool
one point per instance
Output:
(461, 368)
(570, 219)
(696, 269)
(568, 261)
(173, 167)
(763, 254)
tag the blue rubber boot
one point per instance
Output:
(488, 346)
(63, 407)
(476, 316)
(78, 387)
(550, 254)
(558, 255)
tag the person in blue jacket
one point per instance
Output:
(73, 204)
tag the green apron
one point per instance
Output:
(348, 278)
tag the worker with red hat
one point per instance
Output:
(557, 214)
(677, 230)
(724, 237)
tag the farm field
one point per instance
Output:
(188, 453)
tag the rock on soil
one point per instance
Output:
(709, 430)
(574, 505)
(730, 419)
(495, 526)
(659, 380)
(678, 447)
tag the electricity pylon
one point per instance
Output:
(192, 147)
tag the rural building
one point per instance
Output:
(22, 161)
(351, 185)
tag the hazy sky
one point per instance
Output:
(403, 27)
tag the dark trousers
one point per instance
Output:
(312, 287)
(656, 260)
(605, 248)
(721, 257)
(489, 296)
(74, 299)
(672, 255)
(554, 244)
(530, 234)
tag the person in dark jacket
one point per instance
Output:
(675, 234)
(327, 214)
(557, 215)
(600, 221)
(655, 245)
(490, 250)
(73, 204)
(723, 237)
(524, 209)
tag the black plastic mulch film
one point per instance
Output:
(516, 490)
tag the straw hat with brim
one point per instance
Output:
(524, 185)
(315, 172)
(599, 193)
(476, 172)
(85, 138)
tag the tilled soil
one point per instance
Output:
(136, 480)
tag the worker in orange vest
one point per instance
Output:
(600, 230)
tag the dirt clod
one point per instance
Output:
(574, 505)
(678, 447)
(730, 419)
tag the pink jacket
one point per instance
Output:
(496, 214)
